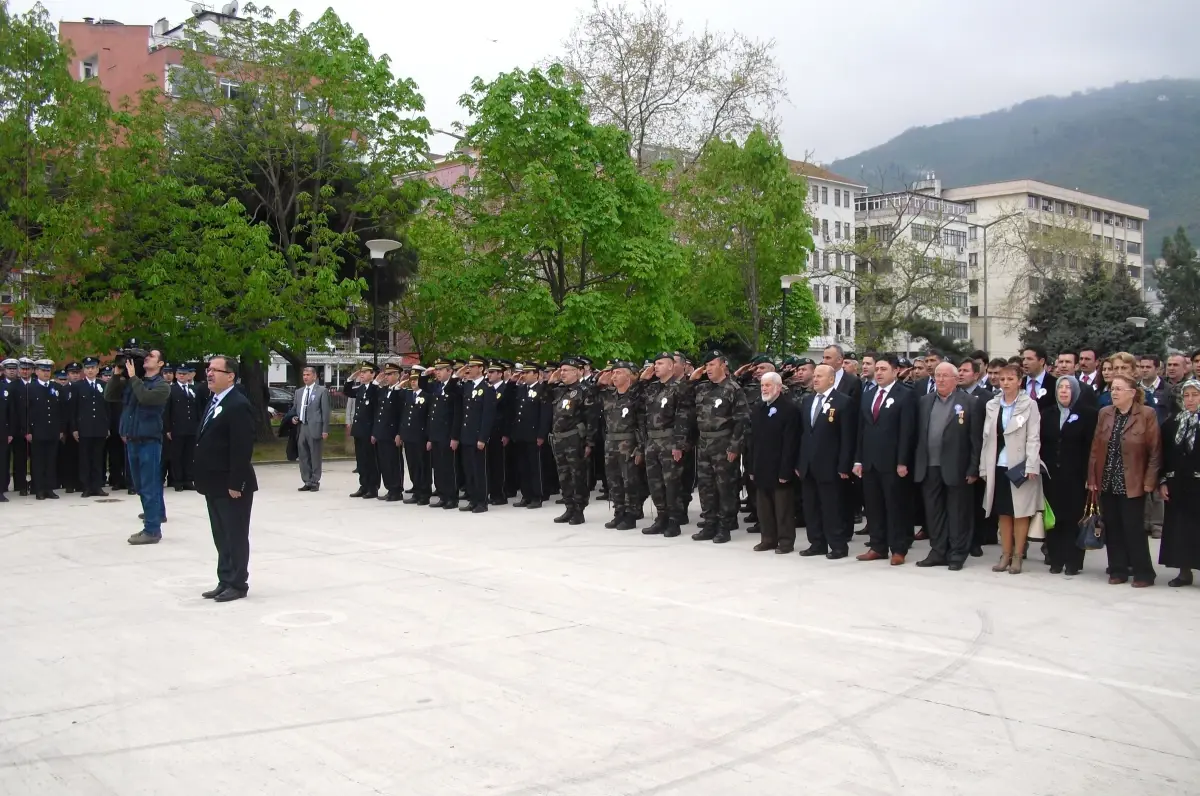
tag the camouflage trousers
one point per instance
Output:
(623, 476)
(572, 466)
(663, 475)
(719, 480)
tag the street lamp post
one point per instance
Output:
(785, 282)
(1137, 321)
(379, 249)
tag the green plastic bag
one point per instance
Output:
(1048, 517)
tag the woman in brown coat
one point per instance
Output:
(1122, 470)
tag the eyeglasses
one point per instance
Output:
(217, 370)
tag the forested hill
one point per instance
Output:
(1134, 142)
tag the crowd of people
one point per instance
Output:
(963, 453)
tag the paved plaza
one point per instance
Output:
(393, 649)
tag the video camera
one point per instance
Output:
(132, 351)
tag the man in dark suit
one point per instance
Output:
(1089, 369)
(385, 433)
(887, 434)
(478, 416)
(225, 476)
(415, 439)
(776, 431)
(826, 458)
(949, 438)
(365, 394)
(45, 426)
(528, 431)
(851, 386)
(89, 426)
(1065, 365)
(1039, 382)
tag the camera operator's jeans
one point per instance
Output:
(145, 474)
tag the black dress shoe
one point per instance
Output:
(1071, 571)
(863, 532)
(561, 501)
(658, 526)
(359, 493)
(41, 496)
(1056, 569)
(451, 506)
(930, 561)
(954, 566)
(615, 521)
(51, 494)
(394, 497)
(498, 502)
(372, 495)
(178, 488)
(522, 503)
(229, 595)
(626, 524)
(100, 493)
(85, 494)
(422, 501)
(976, 551)
(480, 508)
(208, 595)
(24, 493)
(467, 507)
(783, 551)
(411, 500)
(315, 488)
(813, 551)
(534, 504)
(834, 555)
(131, 491)
(565, 516)
(305, 488)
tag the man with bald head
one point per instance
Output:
(949, 438)
(827, 439)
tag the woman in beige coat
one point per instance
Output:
(1011, 439)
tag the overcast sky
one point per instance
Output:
(857, 73)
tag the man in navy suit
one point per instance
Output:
(887, 440)
(225, 476)
(827, 437)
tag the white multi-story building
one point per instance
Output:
(926, 226)
(831, 201)
(1012, 228)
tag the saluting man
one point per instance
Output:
(385, 434)
(365, 393)
(414, 437)
(478, 414)
(89, 427)
(445, 425)
(44, 429)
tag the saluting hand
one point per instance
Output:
(233, 493)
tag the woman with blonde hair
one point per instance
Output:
(1122, 469)
(1124, 364)
(1010, 462)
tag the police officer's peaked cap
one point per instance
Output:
(185, 368)
(168, 367)
(476, 361)
(61, 373)
(574, 362)
(496, 365)
(91, 362)
(73, 366)
(44, 364)
(107, 371)
(8, 363)
(366, 366)
(417, 370)
(905, 362)
(440, 362)
(25, 362)
(391, 367)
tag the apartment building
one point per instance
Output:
(924, 224)
(831, 199)
(1021, 231)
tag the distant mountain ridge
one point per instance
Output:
(1133, 142)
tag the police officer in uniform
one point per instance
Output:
(478, 416)
(44, 429)
(385, 433)
(68, 451)
(365, 393)
(89, 422)
(445, 424)
(528, 429)
(114, 447)
(574, 426)
(498, 441)
(182, 422)
(7, 420)
(414, 436)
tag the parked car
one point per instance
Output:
(280, 400)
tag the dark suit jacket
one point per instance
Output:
(775, 432)
(921, 386)
(1045, 402)
(365, 397)
(224, 446)
(961, 442)
(827, 448)
(890, 441)
(851, 386)
(478, 412)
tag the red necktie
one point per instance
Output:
(875, 406)
(1033, 389)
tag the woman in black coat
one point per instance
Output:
(1181, 487)
(1066, 444)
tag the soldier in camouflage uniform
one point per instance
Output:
(622, 416)
(721, 420)
(573, 429)
(665, 426)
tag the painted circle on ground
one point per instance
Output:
(299, 619)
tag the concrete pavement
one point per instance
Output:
(396, 649)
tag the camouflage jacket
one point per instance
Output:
(622, 415)
(666, 418)
(795, 392)
(721, 411)
(574, 410)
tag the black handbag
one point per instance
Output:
(1017, 474)
(1091, 527)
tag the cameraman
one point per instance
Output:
(143, 402)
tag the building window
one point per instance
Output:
(1133, 247)
(816, 292)
(1085, 214)
(1072, 261)
(1059, 208)
(825, 326)
(1035, 284)
(1135, 272)
(837, 197)
(837, 261)
(954, 237)
(958, 331)
(1134, 224)
(973, 286)
(958, 300)
(970, 205)
(89, 68)
(847, 196)
(838, 327)
(825, 228)
(837, 295)
(849, 328)
(825, 294)
(1118, 221)
(849, 262)
(825, 262)
(974, 310)
(1032, 202)
(1071, 211)
(972, 233)
(230, 89)
(1047, 205)
(816, 226)
(1108, 242)
(837, 230)
(824, 196)
(1108, 218)
(972, 259)
(960, 270)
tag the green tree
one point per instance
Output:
(1179, 286)
(52, 128)
(742, 219)
(1092, 312)
(566, 238)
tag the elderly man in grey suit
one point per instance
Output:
(311, 407)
